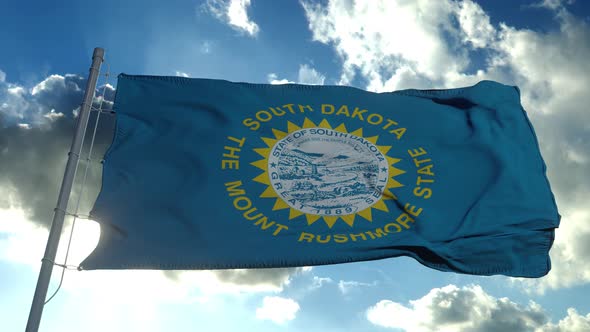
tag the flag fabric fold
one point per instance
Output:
(211, 174)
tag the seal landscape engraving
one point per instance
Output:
(326, 172)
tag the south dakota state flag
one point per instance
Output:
(211, 174)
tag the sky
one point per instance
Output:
(541, 46)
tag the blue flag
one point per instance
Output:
(211, 174)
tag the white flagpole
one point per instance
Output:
(64, 195)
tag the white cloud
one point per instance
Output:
(277, 309)
(553, 4)
(23, 242)
(548, 67)
(234, 13)
(378, 37)
(569, 256)
(127, 300)
(53, 115)
(48, 83)
(16, 91)
(255, 280)
(273, 79)
(2, 76)
(475, 24)
(306, 75)
(14, 103)
(181, 74)
(346, 286)
(34, 106)
(233, 281)
(318, 282)
(428, 45)
(470, 308)
(573, 322)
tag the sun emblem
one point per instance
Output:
(324, 172)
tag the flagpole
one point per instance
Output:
(64, 195)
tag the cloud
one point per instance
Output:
(306, 75)
(236, 281)
(35, 135)
(569, 256)
(55, 94)
(234, 13)
(432, 44)
(273, 79)
(2, 76)
(61, 93)
(379, 38)
(470, 309)
(181, 74)
(53, 115)
(475, 25)
(318, 282)
(127, 300)
(36, 129)
(346, 287)
(21, 241)
(240, 280)
(277, 309)
(276, 276)
(553, 4)
(573, 322)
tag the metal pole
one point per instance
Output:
(64, 196)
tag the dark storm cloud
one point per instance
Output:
(35, 137)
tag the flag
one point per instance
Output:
(211, 174)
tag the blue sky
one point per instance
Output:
(540, 46)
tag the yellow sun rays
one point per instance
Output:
(349, 219)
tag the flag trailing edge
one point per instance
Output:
(211, 174)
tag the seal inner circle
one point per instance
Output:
(326, 172)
